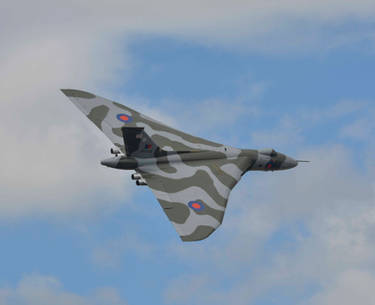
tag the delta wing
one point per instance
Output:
(110, 117)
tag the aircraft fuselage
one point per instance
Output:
(258, 160)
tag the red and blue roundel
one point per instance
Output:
(270, 165)
(196, 205)
(124, 118)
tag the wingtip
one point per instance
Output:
(77, 93)
(202, 232)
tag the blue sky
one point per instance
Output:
(77, 233)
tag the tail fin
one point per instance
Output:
(139, 145)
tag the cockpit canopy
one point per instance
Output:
(268, 152)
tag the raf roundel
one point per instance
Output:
(196, 205)
(124, 118)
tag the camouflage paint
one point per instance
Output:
(180, 168)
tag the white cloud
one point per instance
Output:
(50, 154)
(46, 290)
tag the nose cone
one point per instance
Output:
(111, 162)
(288, 163)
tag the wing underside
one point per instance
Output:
(194, 195)
(110, 117)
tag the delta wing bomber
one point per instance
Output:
(191, 177)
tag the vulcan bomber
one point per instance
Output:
(191, 177)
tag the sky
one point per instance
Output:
(296, 76)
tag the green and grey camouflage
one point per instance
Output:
(190, 176)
